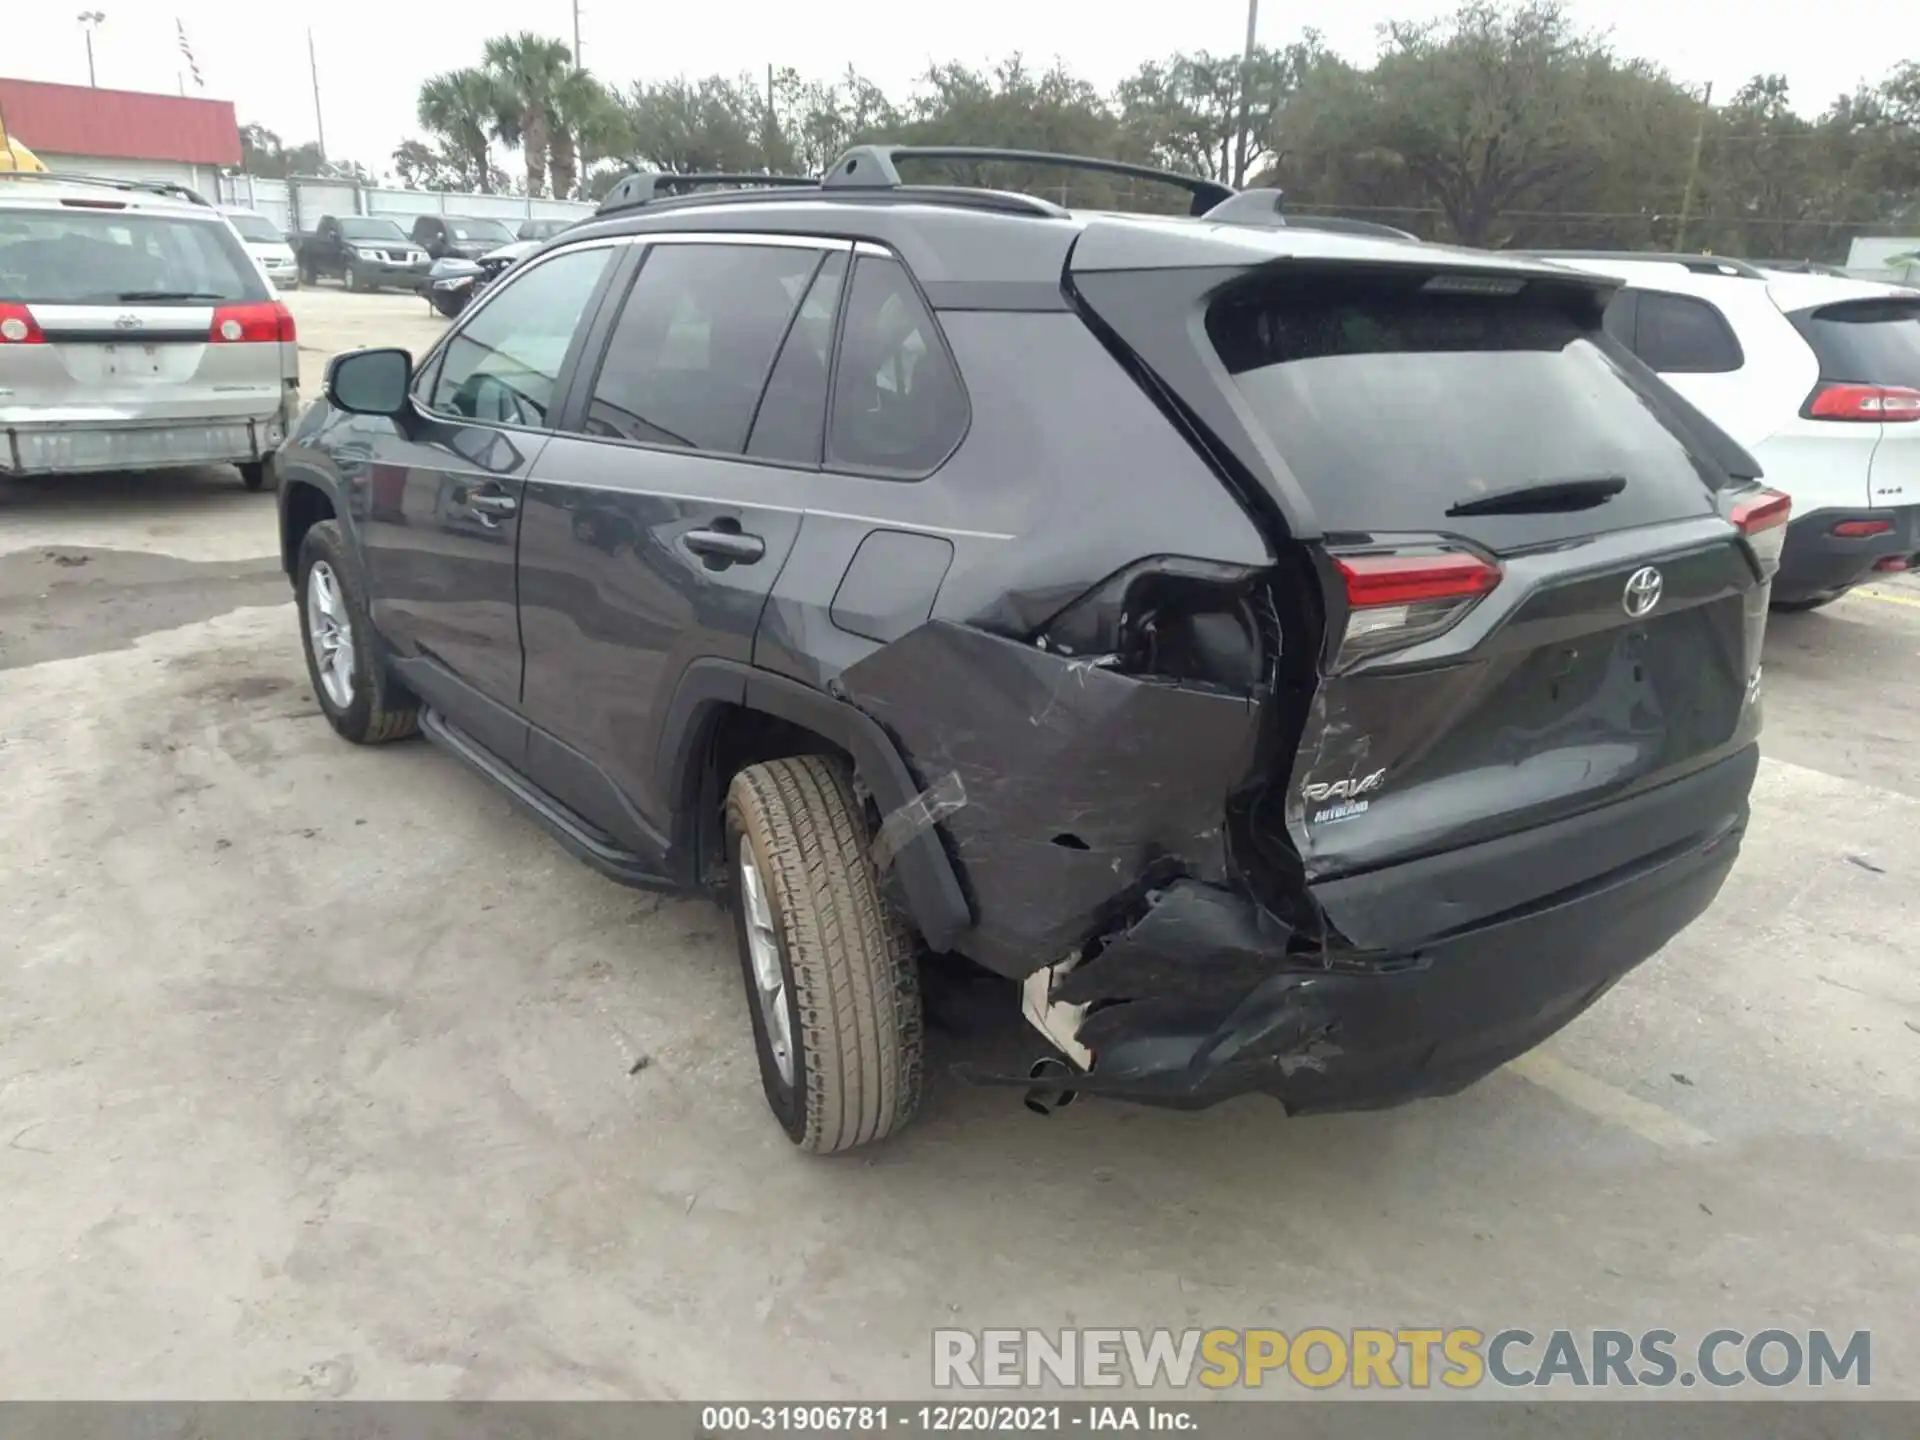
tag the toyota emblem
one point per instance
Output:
(1643, 591)
(128, 322)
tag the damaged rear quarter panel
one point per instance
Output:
(1083, 786)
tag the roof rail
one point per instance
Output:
(875, 167)
(643, 187)
(111, 182)
(1701, 264)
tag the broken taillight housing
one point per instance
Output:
(1761, 515)
(1400, 598)
(1189, 621)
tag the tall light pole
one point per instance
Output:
(1246, 84)
(89, 22)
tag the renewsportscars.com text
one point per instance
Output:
(1459, 1358)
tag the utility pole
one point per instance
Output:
(576, 34)
(319, 125)
(1246, 84)
(1693, 170)
(89, 22)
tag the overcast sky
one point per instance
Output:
(374, 53)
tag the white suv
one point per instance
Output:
(1817, 376)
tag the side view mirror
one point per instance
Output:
(370, 382)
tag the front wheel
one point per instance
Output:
(831, 973)
(350, 278)
(360, 699)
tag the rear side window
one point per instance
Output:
(1679, 335)
(898, 408)
(1865, 342)
(1392, 404)
(100, 257)
(691, 351)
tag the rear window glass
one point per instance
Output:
(255, 227)
(97, 257)
(1391, 404)
(1867, 342)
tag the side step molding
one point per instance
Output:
(580, 836)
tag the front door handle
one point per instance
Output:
(720, 548)
(494, 506)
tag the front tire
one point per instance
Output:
(831, 973)
(351, 278)
(360, 699)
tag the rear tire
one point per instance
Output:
(253, 474)
(360, 699)
(836, 998)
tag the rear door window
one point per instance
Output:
(793, 413)
(105, 257)
(690, 353)
(1681, 335)
(1865, 342)
(1392, 404)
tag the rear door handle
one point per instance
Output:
(725, 547)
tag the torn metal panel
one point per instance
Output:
(1082, 786)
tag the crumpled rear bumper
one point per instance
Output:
(1220, 1009)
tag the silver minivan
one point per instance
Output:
(136, 333)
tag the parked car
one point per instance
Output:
(364, 252)
(459, 236)
(1818, 375)
(542, 229)
(267, 244)
(1299, 662)
(451, 284)
(135, 333)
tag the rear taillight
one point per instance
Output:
(254, 323)
(1889, 404)
(1761, 516)
(1396, 600)
(1860, 529)
(17, 325)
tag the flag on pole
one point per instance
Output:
(193, 65)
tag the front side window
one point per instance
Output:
(503, 364)
(897, 403)
(690, 353)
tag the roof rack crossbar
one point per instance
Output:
(876, 167)
(1700, 263)
(643, 187)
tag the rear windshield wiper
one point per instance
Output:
(168, 295)
(1544, 496)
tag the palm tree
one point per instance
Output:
(528, 69)
(461, 106)
(584, 126)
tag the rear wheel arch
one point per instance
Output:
(725, 716)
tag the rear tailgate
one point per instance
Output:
(1869, 353)
(1533, 603)
(122, 317)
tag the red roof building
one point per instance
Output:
(80, 121)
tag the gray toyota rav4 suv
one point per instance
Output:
(1299, 661)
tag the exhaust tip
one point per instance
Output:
(1045, 1098)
